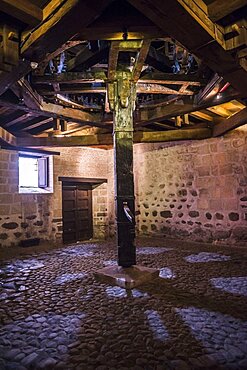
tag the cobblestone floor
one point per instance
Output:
(54, 315)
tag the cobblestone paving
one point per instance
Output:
(55, 315)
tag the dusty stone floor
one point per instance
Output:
(54, 315)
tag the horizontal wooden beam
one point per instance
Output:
(59, 111)
(23, 10)
(152, 88)
(18, 120)
(100, 76)
(70, 78)
(218, 9)
(146, 115)
(6, 137)
(186, 22)
(171, 79)
(173, 135)
(87, 140)
(106, 139)
(236, 120)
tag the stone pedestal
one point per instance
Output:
(126, 277)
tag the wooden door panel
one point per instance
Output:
(77, 212)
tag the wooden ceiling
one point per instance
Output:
(58, 59)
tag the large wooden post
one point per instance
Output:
(124, 100)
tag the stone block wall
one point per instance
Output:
(88, 163)
(22, 216)
(25, 216)
(195, 190)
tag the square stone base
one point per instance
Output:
(126, 277)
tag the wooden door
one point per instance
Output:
(77, 212)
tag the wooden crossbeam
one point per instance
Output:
(184, 18)
(106, 139)
(9, 78)
(142, 88)
(145, 88)
(37, 124)
(100, 76)
(59, 111)
(146, 115)
(141, 57)
(7, 137)
(62, 48)
(18, 120)
(71, 78)
(60, 26)
(23, 10)
(218, 9)
(236, 120)
(171, 79)
(87, 58)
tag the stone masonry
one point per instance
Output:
(195, 190)
(25, 216)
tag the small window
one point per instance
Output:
(35, 174)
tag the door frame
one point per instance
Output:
(91, 183)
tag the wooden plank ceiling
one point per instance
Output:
(58, 59)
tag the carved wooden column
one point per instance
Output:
(124, 92)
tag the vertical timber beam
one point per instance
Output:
(125, 95)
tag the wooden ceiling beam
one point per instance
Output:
(186, 22)
(59, 111)
(218, 9)
(7, 79)
(87, 58)
(145, 88)
(23, 10)
(106, 139)
(60, 27)
(18, 120)
(141, 57)
(36, 124)
(6, 137)
(114, 33)
(141, 88)
(100, 76)
(171, 79)
(70, 78)
(236, 120)
(146, 115)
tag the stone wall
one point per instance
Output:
(88, 163)
(195, 190)
(25, 216)
(22, 216)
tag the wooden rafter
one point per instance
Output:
(23, 10)
(59, 111)
(19, 120)
(9, 78)
(218, 9)
(106, 139)
(141, 57)
(184, 18)
(71, 78)
(236, 120)
(100, 76)
(66, 22)
(7, 137)
(146, 115)
(40, 123)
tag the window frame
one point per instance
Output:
(47, 185)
